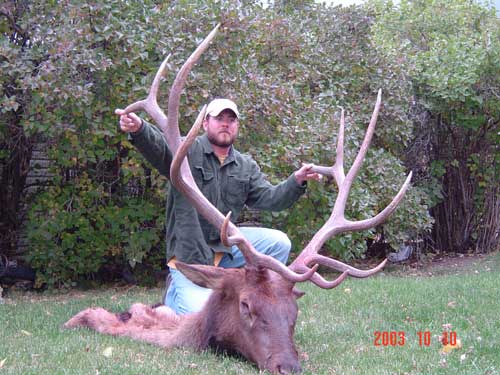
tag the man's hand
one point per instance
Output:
(129, 123)
(305, 174)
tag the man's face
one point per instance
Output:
(222, 130)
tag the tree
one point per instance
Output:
(452, 52)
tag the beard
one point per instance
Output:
(221, 139)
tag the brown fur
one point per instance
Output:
(251, 312)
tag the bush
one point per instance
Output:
(288, 69)
(84, 230)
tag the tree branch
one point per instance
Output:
(15, 27)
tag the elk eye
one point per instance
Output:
(245, 309)
(244, 306)
(247, 314)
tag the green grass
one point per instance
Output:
(335, 330)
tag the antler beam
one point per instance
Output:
(182, 179)
(180, 172)
(337, 223)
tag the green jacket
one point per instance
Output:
(231, 186)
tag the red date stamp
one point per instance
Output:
(389, 338)
(398, 338)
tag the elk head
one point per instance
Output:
(252, 310)
(257, 310)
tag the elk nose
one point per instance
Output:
(288, 368)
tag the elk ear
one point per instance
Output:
(205, 276)
(297, 293)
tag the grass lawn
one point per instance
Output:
(335, 331)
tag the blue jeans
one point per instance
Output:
(183, 296)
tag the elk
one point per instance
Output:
(252, 310)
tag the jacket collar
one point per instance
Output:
(205, 144)
(207, 149)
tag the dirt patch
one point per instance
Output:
(447, 264)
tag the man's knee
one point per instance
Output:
(183, 296)
(267, 241)
(282, 246)
(283, 241)
(193, 301)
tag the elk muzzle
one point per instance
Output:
(284, 364)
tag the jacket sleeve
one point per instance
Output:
(153, 146)
(265, 196)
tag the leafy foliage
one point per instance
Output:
(83, 230)
(340, 68)
(289, 68)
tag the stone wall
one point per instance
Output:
(38, 178)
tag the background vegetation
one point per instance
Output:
(65, 66)
(450, 50)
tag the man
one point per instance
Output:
(230, 180)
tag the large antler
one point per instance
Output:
(337, 223)
(183, 181)
(180, 173)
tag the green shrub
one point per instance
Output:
(75, 230)
(289, 69)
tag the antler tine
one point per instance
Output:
(353, 171)
(260, 260)
(346, 184)
(153, 93)
(385, 213)
(150, 104)
(337, 223)
(173, 132)
(337, 170)
(324, 284)
(342, 267)
(183, 180)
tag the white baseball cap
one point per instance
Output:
(216, 106)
